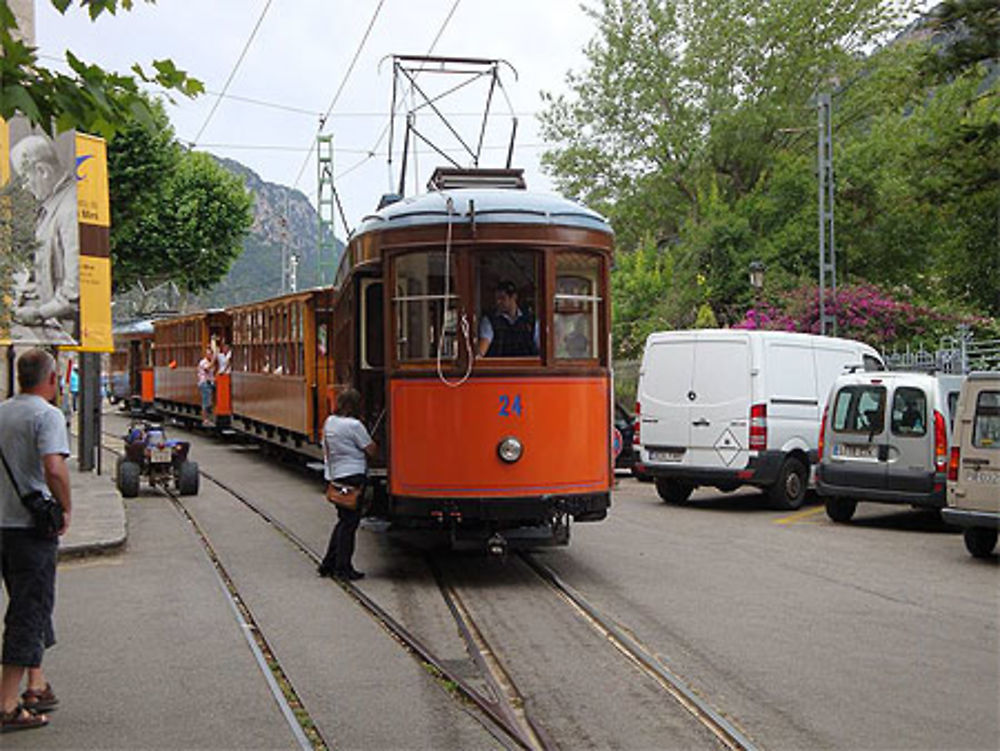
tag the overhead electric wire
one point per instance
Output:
(232, 74)
(373, 151)
(340, 89)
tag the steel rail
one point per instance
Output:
(497, 676)
(249, 628)
(493, 708)
(730, 735)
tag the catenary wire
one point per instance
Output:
(232, 74)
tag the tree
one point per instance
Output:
(175, 215)
(91, 99)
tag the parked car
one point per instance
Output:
(974, 464)
(885, 439)
(730, 407)
(625, 423)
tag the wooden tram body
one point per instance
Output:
(131, 366)
(179, 343)
(282, 378)
(443, 416)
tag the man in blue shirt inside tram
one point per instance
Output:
(508, 331)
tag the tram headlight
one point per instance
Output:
(510, 449)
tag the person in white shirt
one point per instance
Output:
(346, 447)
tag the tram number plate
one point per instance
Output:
(666, 456)
(855, 451)
(161, 456)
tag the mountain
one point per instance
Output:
(256, 274)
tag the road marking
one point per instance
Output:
(797, 517)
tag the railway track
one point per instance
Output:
(501, 708)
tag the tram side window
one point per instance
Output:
(507, 298)
(420, 311)
(576, 306)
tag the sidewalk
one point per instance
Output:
(98, 522)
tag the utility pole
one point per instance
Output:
(827, 250)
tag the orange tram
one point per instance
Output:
(475, 323)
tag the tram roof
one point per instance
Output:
(492, 206)
(143, 326)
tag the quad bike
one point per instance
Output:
(164, 462)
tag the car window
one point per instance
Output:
(859, 409)
(909, 412)
(986, 423)
(952, 407)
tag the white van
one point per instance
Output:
(885, 438)
(974, 464)
(729, 407)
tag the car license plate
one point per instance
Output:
(856, 451)
(666, 456)
(161, 456)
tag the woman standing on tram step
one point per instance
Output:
(346, 445)
(206, 385)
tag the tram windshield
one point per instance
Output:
(576, 305)
(422, 308)
(507, 292)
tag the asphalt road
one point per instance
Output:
(877, 634)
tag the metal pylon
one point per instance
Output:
(326, 246)
(827, 253)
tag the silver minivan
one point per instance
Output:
(974, 464)
(885, 438)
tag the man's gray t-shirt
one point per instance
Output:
(345, 440)
(30, 428)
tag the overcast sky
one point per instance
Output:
(299, 58)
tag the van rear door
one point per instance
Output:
(664, 384)
(910, 454)
(857, 436)
(720, 403)
(980, 457)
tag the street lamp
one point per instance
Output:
(757, 282)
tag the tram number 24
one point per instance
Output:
(509, 407)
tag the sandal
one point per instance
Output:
(40, 700)
(20, 718)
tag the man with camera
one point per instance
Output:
(34, 446)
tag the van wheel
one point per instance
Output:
(841, 510)
(980, 541)
(673, 491)
(789, 492)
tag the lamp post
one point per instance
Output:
(757, 282)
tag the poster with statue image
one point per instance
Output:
(40, 287)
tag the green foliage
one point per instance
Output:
(17, 242)
(175, 215)
(693, 128)
(90, 99)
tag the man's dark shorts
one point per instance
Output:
(29, 574)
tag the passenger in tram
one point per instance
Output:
(206, 384)
(508, 331)
(224, 360)
(346, 447)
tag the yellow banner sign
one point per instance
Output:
(4, 152)
(92, 181)
(95, 305)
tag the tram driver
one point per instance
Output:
(508, 331)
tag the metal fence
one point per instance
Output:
(959, 354)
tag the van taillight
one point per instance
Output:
(953, 464)
(635, 430)
(940, 442)
(758, 427)
(822, 431)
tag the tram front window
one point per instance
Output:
(507, 285)
(420, 310)
(576, 305)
